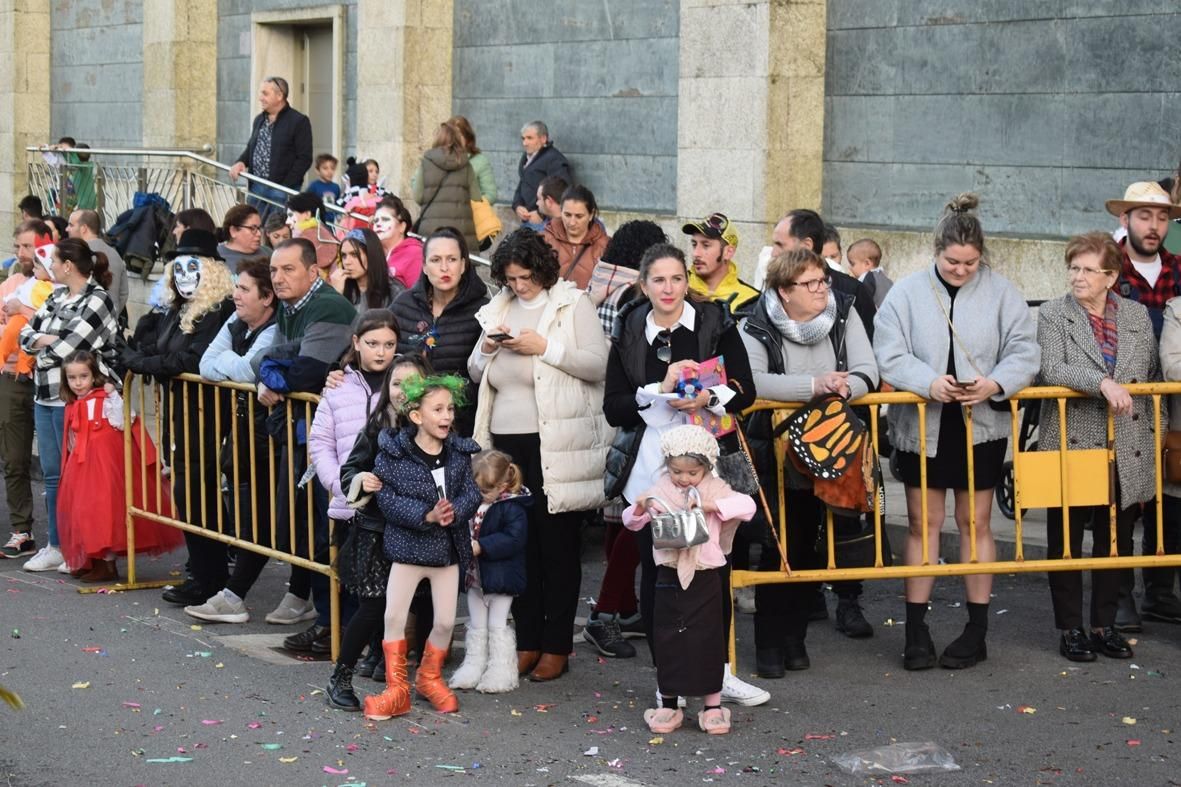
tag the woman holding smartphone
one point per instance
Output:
(540, 365)
(988, 352)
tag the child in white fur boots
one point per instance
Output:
(498, 541)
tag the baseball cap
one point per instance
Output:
(715, 225)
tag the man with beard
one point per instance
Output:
(16, 400)
(1152, 276)
(713, 241)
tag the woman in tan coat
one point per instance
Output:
(445, 185)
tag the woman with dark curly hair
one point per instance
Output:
(540, 364)
(620, 267)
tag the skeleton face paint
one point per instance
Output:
(291, 222)
(186, 275)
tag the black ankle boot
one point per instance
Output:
(340, 689)
(769, 662)
(795, 654)
(920, 648)
(970, 647)
(365, 668)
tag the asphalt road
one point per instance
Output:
(123, 689)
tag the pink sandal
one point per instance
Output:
(662, 720)
(715, 721)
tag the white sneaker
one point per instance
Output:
(64, 568)
(738, 692)
(220, 608)
(660, 700)
(48, 559)
(292, 609)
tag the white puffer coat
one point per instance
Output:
(573, 431)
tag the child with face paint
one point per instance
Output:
(165, 345)
(428, 494)
(92, 502)
(31, 294)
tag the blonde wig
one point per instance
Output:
(216, 285)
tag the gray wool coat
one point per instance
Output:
(1170, 361)
(911, 341)
(1071, 358)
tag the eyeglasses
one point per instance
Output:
(814, 285)
(1075, 270)
(250, 227)
(664, 348)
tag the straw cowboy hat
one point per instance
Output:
(1145, 194)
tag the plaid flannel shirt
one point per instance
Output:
(1135, 287)
(85, 321)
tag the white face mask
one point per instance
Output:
(291, 222)
(186, 275)
(383, 224)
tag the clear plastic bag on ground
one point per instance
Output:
(926, 757)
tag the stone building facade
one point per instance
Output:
(872, 111)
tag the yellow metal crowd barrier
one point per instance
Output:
(230, 442)
(1042, 479)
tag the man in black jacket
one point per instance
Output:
(539, 161)
(279, 150)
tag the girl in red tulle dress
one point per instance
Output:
(92, 499)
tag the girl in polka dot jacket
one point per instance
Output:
(427, 496)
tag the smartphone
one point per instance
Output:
(441, 493)
(499, 337)
(965, 383)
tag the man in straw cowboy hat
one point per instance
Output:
(1152, 276)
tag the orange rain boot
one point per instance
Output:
(395, 700)
(428, 681)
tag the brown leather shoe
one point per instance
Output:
(102, 571)
(550, 666)
(527, 660)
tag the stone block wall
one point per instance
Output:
(96, 72)
(603, 76)
(1045, 109)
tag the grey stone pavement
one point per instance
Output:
(123, 689)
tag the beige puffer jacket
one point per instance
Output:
(574, 432)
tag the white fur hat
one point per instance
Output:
(689, 440)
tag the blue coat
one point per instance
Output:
(502, 545)
(408, 493)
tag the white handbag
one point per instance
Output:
(673, 529)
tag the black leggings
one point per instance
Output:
(366, 621)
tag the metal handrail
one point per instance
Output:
(214, 163)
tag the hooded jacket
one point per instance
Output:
(576, 260)
(502, 544)
(444, 187)
(340, 417)
(408, 493)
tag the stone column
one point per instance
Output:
(403, 82)
(750, 117)
(24, 96)
(180, 66)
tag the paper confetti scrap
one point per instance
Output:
(515, 712)
(1134, 742)
(255, 725)
(899, 779)
(789, 752)
(1028, 710)
(336, 771)
(287, 760)
(718, 769)
(544, 708)
(170, 759)
(813, 736)
(656, 741)
(593, 751)
(11, 698)
(82, 684)
(1129, 720)
(211, 722)
(195, 627)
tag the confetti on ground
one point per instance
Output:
(815, 736)
(1028, 710)
(593, 751)
(272, 746)
(16, 633)
(1133, 742)
(211, 722)
(255, 725)
(616, 763)
(170, 759)
(287, 760)
(789, 752)
(195, 627)
(11, 698)
(899, 779)
(544, 708)
(82, 684)
(1129, 720)
(656, 741)
(451, 767)
(515, 712)
(132, 705)
(717, 769)
(336, 771)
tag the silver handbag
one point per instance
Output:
(673, 529)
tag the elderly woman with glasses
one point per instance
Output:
(987, 353)
(803, 339)
(659, 340)
(1095, 342)
(240, 236)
